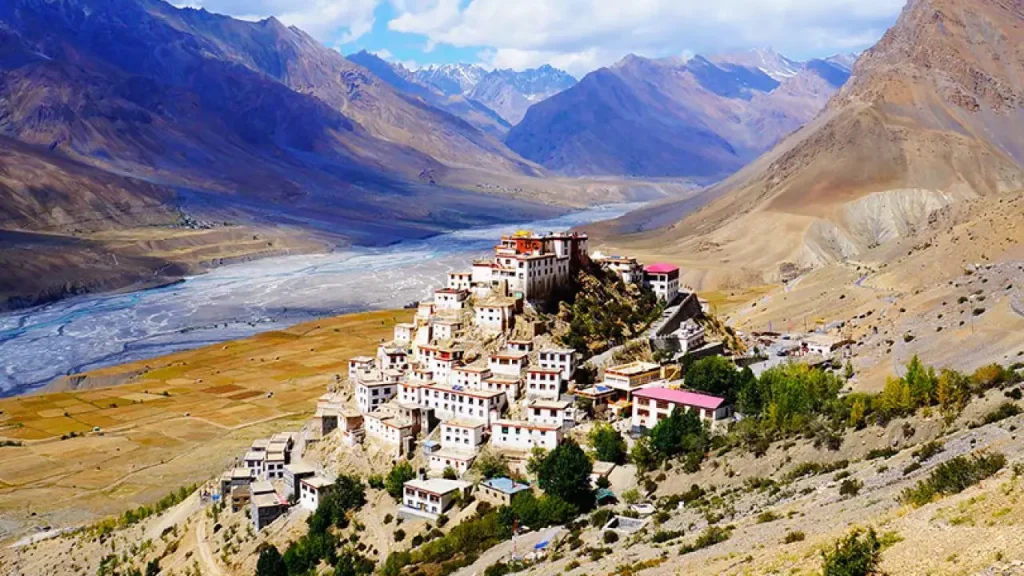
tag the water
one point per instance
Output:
(89, 332)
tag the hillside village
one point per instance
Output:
(476, 371)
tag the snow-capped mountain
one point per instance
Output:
(451, 78)
(511, 93)
(766, 60)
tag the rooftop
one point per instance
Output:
(681, 397)
(300, 468)
(317, 482)
(633, 368)
(553, 404)
(267, 500)
(255, 455)
(524, 424)
(453, 454)
(262, 487)
(438, 485)
(361, 359)
(661, 268)
(558, 351)
(463, 423)
(510, 355)
(506, 485)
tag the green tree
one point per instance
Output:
(270, 562)
(536, 460)
(952, 391)
(397, 477)
(565, 473)
(681, 433)
(608, 444)
(714, 375)
(921, 381)
(848, 372)
(491, 465)
(153, 568)
(643, 456)
(857, 554)
(449, 473)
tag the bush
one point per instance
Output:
(665, 535)
(857, 554)
(953, 476)
(850, 487)
(375, 481)
(601, 517)
(911, 468)
(767, 516)
(1004, 411)
(927, 450)
(399, 535)
(792, 537)
(610, 537)
(608, 444)
(491, 465)
(449, 473)
(709, 537)
(395, 481)
(881, 453)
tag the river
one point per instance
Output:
(83, 333)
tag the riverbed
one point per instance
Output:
(84, 333)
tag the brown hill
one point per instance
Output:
(933, 114)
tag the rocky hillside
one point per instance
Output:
(932, 116)
(703, 117)
(511, 93)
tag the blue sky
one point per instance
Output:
(576, 35)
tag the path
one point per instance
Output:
(523, 544)
(211, 567)
(177, 516)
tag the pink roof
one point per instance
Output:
(661, 268)
(681, 397)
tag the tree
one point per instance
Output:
(537, 456)
(643, 456)
(714, 375)
(396, 479)
(491, 465)
(449, 473)
(608, 444)
(153, 568)
(565, 473)
(270, 562)
(857, 554)
(681, 433)
(848, 372)
(952, 391)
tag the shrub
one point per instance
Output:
(953, 476)
(399, 535)
(375, 481)
(608, 444)
(610, 537)
(709, 537)
(665, 535)
(792, 537)
(881, 453)
(601, 517)
(927, 450)
(857, 554)
(911, 468)
(850, 487)
(767, 516)
(396, 479)
(1004, 411)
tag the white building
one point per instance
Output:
(457, 460)
(508, 363)
(652, 405)
(515, 435)
(273, 467)
(390, 427)
(370, 394)
(432, 497)
(424, 312)
(494, 315)
(440, 361)
(690, 336)
(446, 329)
(663, 280)
(391, 357)
(254, 461)
(460, 280)
(449, 403)
(404, 333)
(462, 435)
(520, 346)
(481, 275)
(310, 491)
(359, 364)
(626, 378)
(507, 384)
(625, 267)
(470, 377)
(561, 359)
(555, 412)
(448, 299)
(544, 383)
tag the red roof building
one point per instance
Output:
(651, 405)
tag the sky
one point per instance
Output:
(578, 36)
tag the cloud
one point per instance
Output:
(334, 21)
(581, 35)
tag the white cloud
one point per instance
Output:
(339, 21)
(581, 35)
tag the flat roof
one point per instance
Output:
(300, 468)
(464, 423)
(262, 487)
(555, 404)
(557, 351)
(254, 455)
(596, 391)
(267, 500)
(260, 443)
(683, 397)
(505, 485)
(241, 473)
(503, 379)
(539, 370)
(438, 485)
(633, 368)
(361, 359)
(661, 268)
(464, 391)
(453, 454)
(472, 369)
(525, 424)
(317, 482)
(510, 355)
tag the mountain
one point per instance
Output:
(702, 117)
(451, 79)
(404, 80)
(933, 116)
(511, 93)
